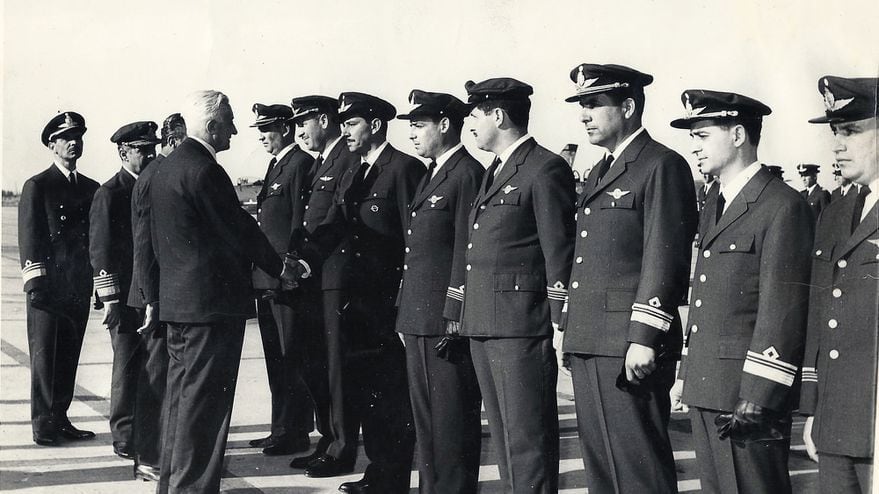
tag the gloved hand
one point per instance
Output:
(292, 273)
(749, 421)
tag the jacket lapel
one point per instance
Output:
(863, 230)
(737, 207)
(510, 168)
(439, 178)
(328, 163)
(630, 154)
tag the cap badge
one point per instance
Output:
(344, 106)
(830, 101)
(691, 112)
(434, 199)
(326, 178)
(617, 193)
(508, 189)
(68, 120)
(276, 186)
(582, 81)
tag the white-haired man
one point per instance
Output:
(205, 245)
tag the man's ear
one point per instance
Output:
(375, 125)
(629, 107)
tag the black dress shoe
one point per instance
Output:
(328, 466)
(261, 442)
(43, 439)
(147, 473)
(68, 431)
(305, 461)
(122, 450)
(359, 487)
(285, 446)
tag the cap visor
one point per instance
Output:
(683, 123)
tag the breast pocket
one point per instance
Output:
(617, 200)
(510, 199)
(275, 190)
(435, 203)
(325, 184)
(738, 245)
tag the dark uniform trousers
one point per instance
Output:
(205, 245)
(745, 329)
(128, 358)
(53, 222)
(446, 402)
(153, 373)
(518, 260)
(840, 365)
(631, 266)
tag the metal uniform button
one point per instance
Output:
(584, 233)
(703, 278)
(63, 217)
(469, 267)
(470, 246)
(832, 324)
(476, 226)
(732, 246)
(579, 260)
(405, 267)
(818, 252)
(409, 232)
(259, 210)
(587, 211)
(575, 285)
(834, 354)
(306, 206)
(694, 329)
(257, 223)
(413, 214)
(304, 223)
(837, 293)
(357, 254)
(516, 288)
(482, 207)
(408, 249)
(706, 254)
(699, 303)
(842, 263)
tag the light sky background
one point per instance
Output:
(117, 62)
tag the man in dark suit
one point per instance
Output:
(204, 244)
(844, 185)
(814, 194)
(446, 403)
(745, 331)
(144, 295)
(320, 301)
(281, 206)
(839, 369)
(517, 263)
(111, 251)
(53, 244)
(636, 220)
(706, 191)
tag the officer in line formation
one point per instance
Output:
(489, 276)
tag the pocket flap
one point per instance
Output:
(501, 199)
(823, 252)
(617, 199)
(738, 244)
(519, 282)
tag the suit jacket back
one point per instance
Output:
(111, 243)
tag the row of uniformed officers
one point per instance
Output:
(494, 278)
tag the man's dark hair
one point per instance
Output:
(753, 127)
(518, 110)
(636, 93)
(457, 124)
(170, 126)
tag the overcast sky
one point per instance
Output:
(117, 62)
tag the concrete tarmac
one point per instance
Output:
(91, 466)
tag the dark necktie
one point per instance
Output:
(427, 178)
(357, 183)
(721, 202)
(271, 167)
(489, 179)
(72, 179)
(604, 167)
(859, 206)
(318, 162)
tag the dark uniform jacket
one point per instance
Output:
(145, 272)
(837, 193)
(520, 246)
(704, 193)
(818, 199)
(110, 245)
(632, 259)
(746, 327)
(436, 245)
(53, 235)
(204, 241)
(281, 205)
(325, 180)
(839, 369)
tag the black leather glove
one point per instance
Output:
(39, 299)
(748, 422)
(452, 348)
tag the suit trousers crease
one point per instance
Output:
(128, 359)
(446, 407)
(54, 344)
(292, 414)
(517, 378)
(728, 467)
(202, 374)
(623, 438)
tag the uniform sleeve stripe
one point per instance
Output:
(558, 297)
(810, 379)
(455, 294)
(653, 311)
(782, 365)
(775, 374)
(106, 292)
(30, 273)
(651, 320)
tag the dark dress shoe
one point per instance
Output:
(122, 450)
(68, 431)
(281, 447)
(147, 473)
(305, 461)
(261, 442)
(328, 466)
(45, 439)
(359, 487)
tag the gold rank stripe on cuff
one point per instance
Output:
(107, 285)
(810, 374)
(455, 293)
(651, 316)
(33, 270)
(555, 293)
(776, 370)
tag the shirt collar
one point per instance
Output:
(810, 189)
(623, 145)
(506, 153)
(135, 175)
(326, 152)
(373, 155)
(285, 151)
(441, 159)
(734, 187)
(65, 171)
(206, 145)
